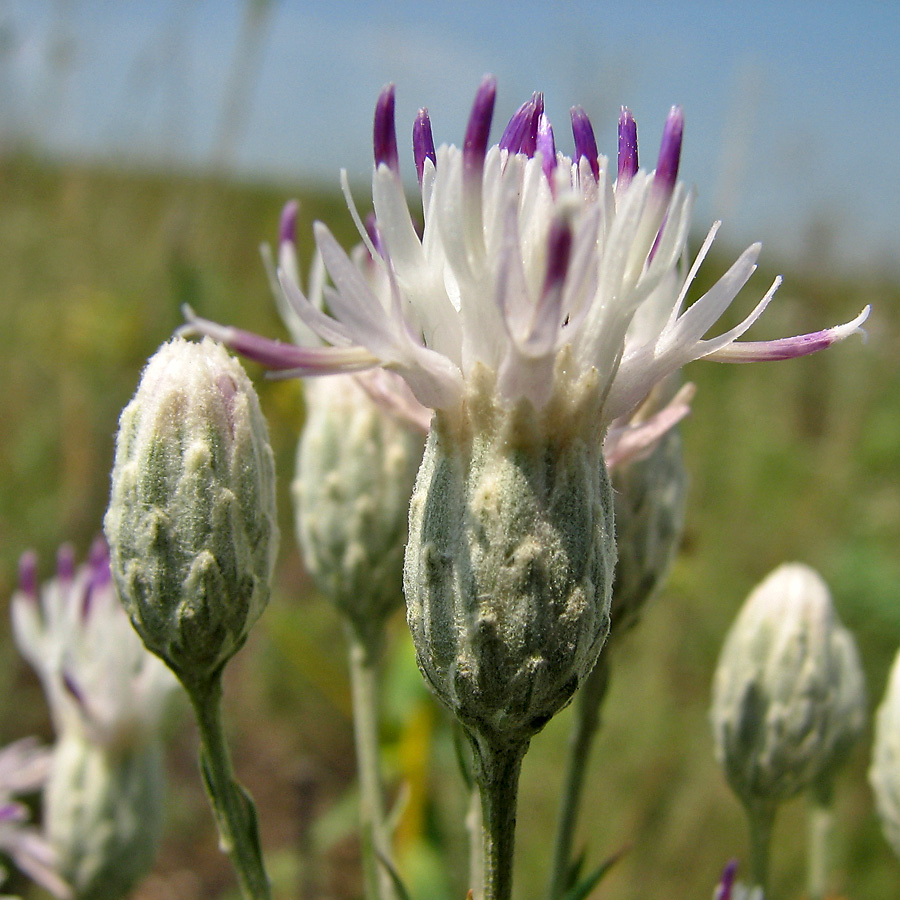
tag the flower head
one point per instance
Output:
(545, 269)
(99, 680)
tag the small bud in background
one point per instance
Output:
(191, 521)
(789, 697)
(789, 701)
(356, 466)
(649, 495)
(103, 814)
(103, 799)
(884, 773)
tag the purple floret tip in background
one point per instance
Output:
(287, 227)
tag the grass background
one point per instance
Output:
(789, 461)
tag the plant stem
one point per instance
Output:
(761, 818)
(496, 770)
(581, 740)
(819, 839)
(232, 806)
(364, 655)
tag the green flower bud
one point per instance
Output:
(191, 522)
(649, 506)
(356, 466)
(884, 773)
(510, 560)
(103, 814)
(789, 695)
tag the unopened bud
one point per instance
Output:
(356, 466)
(649, 504)
(191, 522)
(103, 814)
(884, 774)
(509, 563)
(789, 695)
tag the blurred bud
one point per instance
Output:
(103, 815)
(789, 695)
(356, 466)
(509, 563)
(191, 521)
(884, 774)
(649, 495)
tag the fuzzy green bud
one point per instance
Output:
(884, 773)
(103, 810)
(510, 559)
(191, 522)
(789, 695)
(356, 466)
(649, 505)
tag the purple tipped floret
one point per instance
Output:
(13, 812)
(479, 128)
(65, 562)
(384, 132)
(287, 227)
(28, 563)
(585, 142)
(520, 135)
(723, 892)
(423, 143)
(628, 147)
(670, 152)
(98, 558)
(546, 145)
(559, 251)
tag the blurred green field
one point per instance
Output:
(791, 461)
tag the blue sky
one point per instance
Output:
(792, 108)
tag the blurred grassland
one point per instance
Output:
(796, 460)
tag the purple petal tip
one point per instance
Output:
(423, 143)
(628, 146)
(384, 132)
(559, 249)
(520, 135)
(479, 126)
(287, 227)
(585, 142)
(28, 563)
(65, 562)
(98, 560)
(546, 145)
(670, 150)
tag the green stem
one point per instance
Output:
(232, 806)
(761, 819)
(497, 774)
(476, 844)
(581, 740)
(819, 840)
(376, 848)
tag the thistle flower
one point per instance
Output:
(357, 458)
(99, 680)
(107, 695)
(542, 302)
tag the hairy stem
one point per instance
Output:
(232, 806)
(496, 769)
(364, 655)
